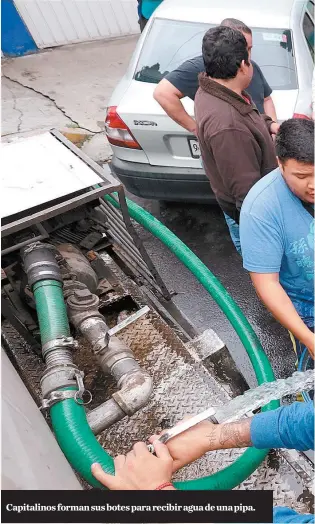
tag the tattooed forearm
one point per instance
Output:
(230, 435)
(235, 434)
(212, 437)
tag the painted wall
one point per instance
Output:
(16, 39)
(59, 22)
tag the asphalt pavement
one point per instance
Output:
(203, 229)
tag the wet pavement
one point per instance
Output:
(203, 229)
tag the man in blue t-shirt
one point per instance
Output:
(277, 235)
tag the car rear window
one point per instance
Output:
(169, 43)
(273, 52)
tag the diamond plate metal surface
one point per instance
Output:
(30, 366)
(182, 385)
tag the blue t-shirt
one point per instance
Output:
(148, 7)
(289, 427)
(277, 236)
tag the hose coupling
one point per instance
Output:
(40, 263)
(76, 394)
(60, 375)
(59, 343)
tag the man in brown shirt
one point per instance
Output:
(235, 140)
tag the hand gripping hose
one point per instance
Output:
(72, 431)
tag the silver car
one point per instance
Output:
(152, 155)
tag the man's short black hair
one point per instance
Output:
(236, 24)
(295, 140)
(223, 50)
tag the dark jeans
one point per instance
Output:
(234, 230)
(304, 360)
(142, 23)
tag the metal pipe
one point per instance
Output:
(133, 395)
(135, 391)
(104, 416)
(43, 235)
(107, 210)
(132, 257)
(119, 227)
(58, 357)
(114, 357)
(123, 237)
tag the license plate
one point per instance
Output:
(194, 148)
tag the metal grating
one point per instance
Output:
(128, 247)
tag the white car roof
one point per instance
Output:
(254, 13)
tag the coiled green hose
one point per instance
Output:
(245, 465)
(68, 418)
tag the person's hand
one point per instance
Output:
(138, 470)
(274, 128)
(192, 127)
(191, 444)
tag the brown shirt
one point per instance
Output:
(235, 143)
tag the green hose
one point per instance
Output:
(244, 466)
(69, 422)
(77, 440)
(68, 418)
(51, 310)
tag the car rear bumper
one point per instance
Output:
(163, 183)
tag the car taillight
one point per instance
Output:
(117, 132)
(300, 115)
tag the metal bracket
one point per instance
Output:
(62, 342)
(60, 395)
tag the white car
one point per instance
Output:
(152, 155)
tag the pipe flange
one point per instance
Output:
(82, 299)
(70, 286)
(59, 343)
